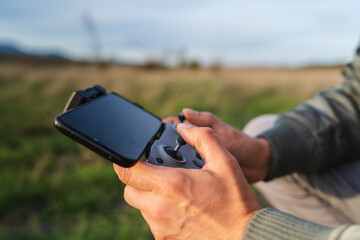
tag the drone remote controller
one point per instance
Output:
(123, 132)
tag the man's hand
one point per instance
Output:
(253, 154)
(214, 202)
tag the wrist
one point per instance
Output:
(237, 230)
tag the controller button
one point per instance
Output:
(198, 156)
(196, 163)
(159, 160)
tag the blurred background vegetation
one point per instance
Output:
(53, 188)
(164, 55)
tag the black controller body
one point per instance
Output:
(122, 131)
(189, 157)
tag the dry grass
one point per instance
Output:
(302, 82)
(165, 92)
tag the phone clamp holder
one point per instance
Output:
(81, 97)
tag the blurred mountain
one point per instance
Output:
(12, 52)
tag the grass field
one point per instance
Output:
(52, 188)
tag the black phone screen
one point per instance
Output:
(114, 123)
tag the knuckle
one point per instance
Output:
(158, 232)
(175, 186)
(208, 116)
(127, 193)
(207, 131)
(181, 189)
(124, 175)
(176, 182)
(204, 132)
(158, 213)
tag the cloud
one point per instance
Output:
(236, 31)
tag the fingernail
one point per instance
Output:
(190, 111)
(184, 125)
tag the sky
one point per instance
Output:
(232, 32)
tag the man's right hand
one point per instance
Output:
(253, 154)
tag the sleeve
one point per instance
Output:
(271, 224)
(321, 132)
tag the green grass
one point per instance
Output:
(52, 188)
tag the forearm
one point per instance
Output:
(271, 224)
(319, 133)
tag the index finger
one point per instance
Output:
(172, 120)
(143, 176)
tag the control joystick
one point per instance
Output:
(180, 142)
(163, 152)
(174, 152)
(181, 117)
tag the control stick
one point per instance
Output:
(174, 152)
(181, 117)
(180, 141)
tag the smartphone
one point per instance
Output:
(112, 126)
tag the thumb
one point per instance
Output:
(143, 176)
(208, 146)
